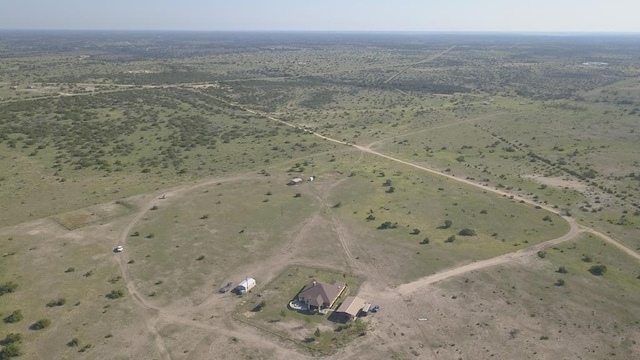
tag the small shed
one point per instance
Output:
(246, 285)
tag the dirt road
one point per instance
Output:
(408, 288)
(366, 149)
(418, 63)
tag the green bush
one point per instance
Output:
(11, 338)
(73, 343)
(8, 287)
(450, 239)
(40, 324)
(388, 225)
(9, 351)
(467, 232)
(57, 302)
(598, 270)
(14, 317)
(115, 294)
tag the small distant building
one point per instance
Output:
(320, 295)
(246, 285)
(295, 181)
(351, 307)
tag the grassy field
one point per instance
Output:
(168, 152)
(529, 309)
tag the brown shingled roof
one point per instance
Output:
(321, 294)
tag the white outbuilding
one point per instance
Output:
(246, 285)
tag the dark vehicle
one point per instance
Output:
(226, 288)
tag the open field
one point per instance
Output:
(474, 182)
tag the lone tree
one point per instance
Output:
(598, 270)
(447, 224)
(450, 239)
(415, 231)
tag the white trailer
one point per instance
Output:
(246, 285)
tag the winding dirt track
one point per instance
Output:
(153, 313)
(485, 263)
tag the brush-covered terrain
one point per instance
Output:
(483, 190)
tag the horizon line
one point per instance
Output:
(517, 32)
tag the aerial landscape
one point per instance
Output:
(319, 194)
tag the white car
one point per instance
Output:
(118, 249)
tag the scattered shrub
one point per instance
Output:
(8, 287)
(467, 232)
(115, 294)
(9, 351)
(71, 269)
(14, 317)
(40, 324)
(388, 225)
(57, 302)
(450, 239)
(598, 270)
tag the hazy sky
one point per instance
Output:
(336, 15)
